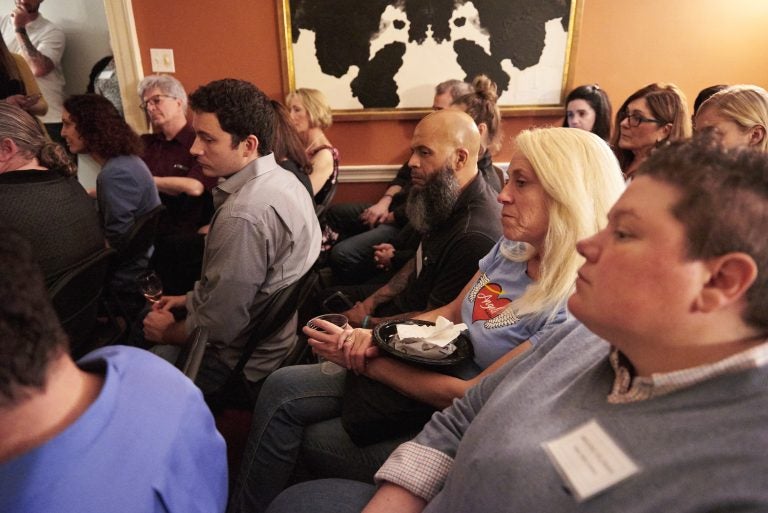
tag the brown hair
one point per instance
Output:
(481, 106)
(667, 103)
(286, 143)
(30, 334)
(101, 126)
(723, 207)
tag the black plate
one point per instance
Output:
(383, 332)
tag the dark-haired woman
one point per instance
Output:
(651, 116)
(125, 189)
(587, 107)
(482, 108)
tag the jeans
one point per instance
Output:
(296, 420)
(352, 258)
(324, 496)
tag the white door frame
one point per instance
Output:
(125, 48)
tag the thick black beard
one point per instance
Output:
(431, 205)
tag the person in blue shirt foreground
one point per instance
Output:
(121, 430)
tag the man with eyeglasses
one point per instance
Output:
(184, 189)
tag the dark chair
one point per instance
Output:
(321, 207)
(75, 297)
(140, 237)
(237, 392)
(191, 355)
(124, 298)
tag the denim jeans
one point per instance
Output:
(324, 496)
(296, 419)
(352, 258)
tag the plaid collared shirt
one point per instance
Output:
(628, 388)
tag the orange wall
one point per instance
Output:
(626, 44)
(623, 45)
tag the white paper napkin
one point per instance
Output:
(428, 341)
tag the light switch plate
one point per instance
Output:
(162, 60)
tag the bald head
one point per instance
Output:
(445, 138)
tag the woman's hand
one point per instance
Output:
(346, 347)
(358, 348)
(329, 342)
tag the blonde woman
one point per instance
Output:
(736, 117)
(562, 183)
(310, 115)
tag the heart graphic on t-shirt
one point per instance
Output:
(488, 304)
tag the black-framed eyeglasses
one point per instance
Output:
(154, 101)
(635, 120)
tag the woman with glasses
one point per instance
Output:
(651, 116)
(587, 107)
(736, 117)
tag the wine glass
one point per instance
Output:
(328, 367)
(151, 286)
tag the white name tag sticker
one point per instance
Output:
(106, 74)
(589, 460)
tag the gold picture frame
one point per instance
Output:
(550, 81)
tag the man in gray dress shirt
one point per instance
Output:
(264, 234)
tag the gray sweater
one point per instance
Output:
(699, 449)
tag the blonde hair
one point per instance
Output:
(582, 180)
(318, 109)
(744, 104)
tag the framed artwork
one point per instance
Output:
(383, 58)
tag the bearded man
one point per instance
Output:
(456, 213)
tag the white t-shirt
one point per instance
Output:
(49, 40)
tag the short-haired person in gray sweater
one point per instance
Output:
(655, 401)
